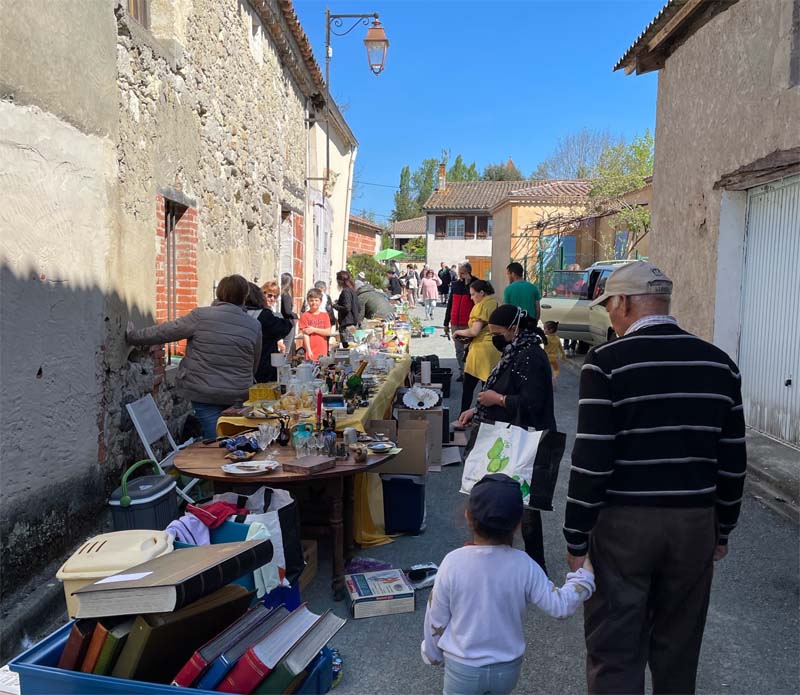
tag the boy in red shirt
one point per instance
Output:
(315, 326)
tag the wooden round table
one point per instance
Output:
(206, 460)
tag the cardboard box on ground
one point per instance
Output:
(412, 437)
(432, 416)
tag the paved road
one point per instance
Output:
(751, 643)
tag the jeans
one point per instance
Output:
(208, 414)
(429, 306)
(460, 679)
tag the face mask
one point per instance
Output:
(500, 342)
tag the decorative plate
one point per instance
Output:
(251, 467)
(378, 447)
(420, 399)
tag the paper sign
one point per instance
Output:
(123, 578)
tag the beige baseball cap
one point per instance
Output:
(633, 279)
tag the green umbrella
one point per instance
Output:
(388, 254)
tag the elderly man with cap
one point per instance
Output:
(655, 486)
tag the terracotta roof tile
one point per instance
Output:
(563, 188)
(415, 225)
(472, 195)
(366, 222)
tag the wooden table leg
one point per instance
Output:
(337, 537)
(349, 517)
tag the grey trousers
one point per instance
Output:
(461, 348)
(653, 568)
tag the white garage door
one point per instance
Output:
(769, 348)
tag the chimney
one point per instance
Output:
(442, 184)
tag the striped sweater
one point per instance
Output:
(660, 423)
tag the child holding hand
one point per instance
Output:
(315, 326)
(476, 610)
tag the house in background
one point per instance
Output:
(363, 236)
(726, 208)
(534, 224)
(403, 231)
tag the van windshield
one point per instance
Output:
(572, 284)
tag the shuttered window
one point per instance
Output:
(469, 228)
(455, 228)
(441, 228)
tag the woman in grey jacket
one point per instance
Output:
(222, 351)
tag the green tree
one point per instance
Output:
(374, 271)
(405, 206)
(502, 172)
(423, 181)
(416, 247)
(622, 168)
(461, 172)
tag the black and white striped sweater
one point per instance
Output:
(660, 423)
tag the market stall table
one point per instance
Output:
(379, 405)
(205, 461)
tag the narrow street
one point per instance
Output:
(751, 639)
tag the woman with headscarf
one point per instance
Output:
(519, 391)
(273, 328)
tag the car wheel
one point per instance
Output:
(583, 348)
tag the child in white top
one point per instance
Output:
(476, 610)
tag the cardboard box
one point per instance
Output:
(310, 558)
(433, 416)
(379, 593)
(411, 438)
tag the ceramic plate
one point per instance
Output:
(380, 446)
(250, 467)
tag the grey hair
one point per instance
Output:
(321, 285)
(651, 303)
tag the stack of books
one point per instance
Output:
(178, 619)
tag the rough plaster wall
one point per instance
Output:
(723, 101)
(54, 219)
(501, 247)
(61, 59)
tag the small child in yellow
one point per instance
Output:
(554, 349)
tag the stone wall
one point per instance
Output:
(724, 101)
(201, 110)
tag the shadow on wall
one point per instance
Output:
(66, 374)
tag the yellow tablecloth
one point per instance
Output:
(378, 406)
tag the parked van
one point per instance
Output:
(566, 297)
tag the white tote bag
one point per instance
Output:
(502, 448)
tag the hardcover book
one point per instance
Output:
(379, 593)
(77, 643)
(171, 581)
(309, 464)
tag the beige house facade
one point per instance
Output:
(726, 202)
(143, 158)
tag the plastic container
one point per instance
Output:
(403, 503)
(38, 674)
(108, 554)
(149, 502)
(264, 392)
(320, 675)
(443, 376)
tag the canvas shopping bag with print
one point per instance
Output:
(502, 448)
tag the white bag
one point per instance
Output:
(502, 448)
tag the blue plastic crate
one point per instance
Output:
(38, 674)
(320, 676)
(288, 596)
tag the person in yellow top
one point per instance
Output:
(554, 349)
(482, 355)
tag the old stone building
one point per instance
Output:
(148, 149)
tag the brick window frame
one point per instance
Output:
(176, 265)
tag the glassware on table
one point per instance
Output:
(318, 439)
(301, 441)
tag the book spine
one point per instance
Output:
(224, 573)
(75, 649)
(215, 673)
(190, 672)
(95, 647)
(246, 675)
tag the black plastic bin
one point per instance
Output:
(403, 503)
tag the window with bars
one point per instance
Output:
(140, 11)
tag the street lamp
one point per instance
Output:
(376, 44)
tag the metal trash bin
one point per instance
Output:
(149, 502)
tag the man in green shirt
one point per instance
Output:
(522, 293)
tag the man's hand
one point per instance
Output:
(575, 562)
(720, 552)
(490, 398)
(466, 416)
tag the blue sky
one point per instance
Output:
(488, 80)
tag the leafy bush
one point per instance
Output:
(375, 271)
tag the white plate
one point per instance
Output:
(380, 446)
(250, 467)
